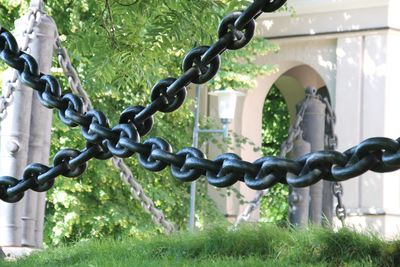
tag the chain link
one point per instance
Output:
(341, 214)
(125, 173)
(34, 17)
(123, 140)
(286, 148)
(138, 193)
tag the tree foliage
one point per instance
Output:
(120, 49)
(275, 126)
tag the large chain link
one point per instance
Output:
(123, 140)
(34, 17)
(126, 174)
(286, 148)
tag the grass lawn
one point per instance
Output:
(261, 245)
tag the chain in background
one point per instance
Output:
(331, 144)
(286, 148)
(126, 174)
(34, 17)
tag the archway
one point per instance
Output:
(291, 82)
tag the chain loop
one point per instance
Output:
(206, 72)
(173, 102)
(129, 116)
(239, 38)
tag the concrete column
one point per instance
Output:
(14, 153)
(26, 139)
(39, 140)
(327, 203)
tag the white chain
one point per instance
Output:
(286, 147)
(138, 193)
(34, 17)
(126, 174)
(71, 74)
(331, 142)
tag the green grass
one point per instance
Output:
(262, 245)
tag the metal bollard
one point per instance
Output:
(299, 198)
(40, 130)
(314, 133)
(25, 139)
(14, 152)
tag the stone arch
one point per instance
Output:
(291, 79)
(296, 76)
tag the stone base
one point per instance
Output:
(11, 253)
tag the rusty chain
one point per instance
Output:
(126, 174)
(34, 17)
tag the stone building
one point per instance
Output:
(352, 48)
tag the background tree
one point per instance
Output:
(275, 126)
(121, 48)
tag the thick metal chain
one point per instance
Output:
(286, 148)
(126, 174)
(199, 66)
(123, 140)
(34, 17)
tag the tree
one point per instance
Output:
(275, 126)
(121, 48)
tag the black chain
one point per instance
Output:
(155, 154)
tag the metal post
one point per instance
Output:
(14, 153)
(40, 131)
(27, 135)
(299, 198)
(195, 144)
(314, 133)
(327, 203)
